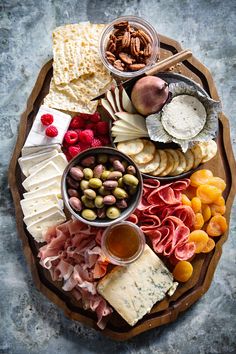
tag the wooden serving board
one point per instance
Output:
(223, 165)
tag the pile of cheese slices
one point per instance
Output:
(42, 162)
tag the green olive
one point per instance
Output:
(90, 193)
(112, 213)
(102, 158)
(105, 174)
(88, 173)
(120, 182)
(95, 183)
(132, 190)
(84, 184)
(124, 163)
(102, 191)
(120, 193)
(89, 214)
(87, 202)
(130, 180)
(99, 202)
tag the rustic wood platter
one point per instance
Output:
(166, 311)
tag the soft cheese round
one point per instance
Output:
(184, 117)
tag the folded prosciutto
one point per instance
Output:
(73, 255)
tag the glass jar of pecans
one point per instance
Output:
(129, 46)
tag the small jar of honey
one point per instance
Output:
(123, 243)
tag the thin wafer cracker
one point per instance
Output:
(181, 165)
(189, 157)
(152, 165)
(197, 152)
(175, 158)
(170, 164)
(210, 148)
(146, 155)
(163, 163)
(131, 147)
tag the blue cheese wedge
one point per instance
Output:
(134, 289)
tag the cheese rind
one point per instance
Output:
(34, 205)
(27, 162)
(59, 160)
(47, 171)
(38, 228)
(134, 289)
(53, 187)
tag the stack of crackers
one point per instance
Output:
(78, 72)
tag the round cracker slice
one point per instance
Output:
(170, 164)
(147, 153)
(175, 157)
(189, 157)
(197, 152)
(163, 163)
(131, 147)
(181, 166)
(152, 165)
(211, 151)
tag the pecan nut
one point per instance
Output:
(121, 25)
(147, 50)
(144, 37)
(110, 57)
(111, 47)
(126, 58)
(126, 40)
(118, 65)
(135, 67)
(135, 46)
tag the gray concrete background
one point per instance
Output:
(29, 323)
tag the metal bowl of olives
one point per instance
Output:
(101, 186)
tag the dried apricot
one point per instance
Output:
(200, 177)
(219, 201)
(200, 238)
(217, 225)
(217, 182)
(217, 209)
(209, 246)
(208, 194)
(196, 204)
(206, 212)
(199, 221)
(190, 192)
(186, 200)
(183, 271)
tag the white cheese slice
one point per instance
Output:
(30, 206)
(53, 187)
(59, 160)
(133, 119)
(121, 137)
(125, 125)
(39, 228)
(37, 134)
(134, 289)
(127, 132)
(37, 185)
(28, 220)
(29, 161)
(48, 170)
(28, 150)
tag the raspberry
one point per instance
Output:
(68, 156)
(85, 116)
(91, 126)
(71, 137)
(51, 131)
(86, 136)
(96, 142)
(95, 118)
(47, 119)
(102, 128)
(83, 146)
(105, 140)
(77, 122)
(74, 150)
